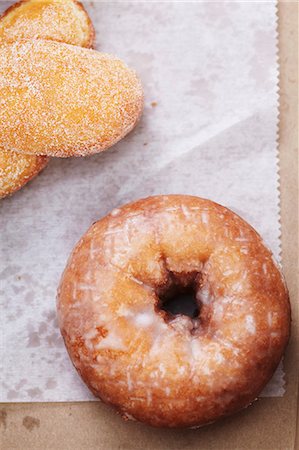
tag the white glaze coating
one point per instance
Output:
(178, 371)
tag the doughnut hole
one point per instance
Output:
(184, 302)
(178, 297)
(180, 302)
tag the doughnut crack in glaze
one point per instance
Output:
(62, 100)
(48, 19)
(164, 369)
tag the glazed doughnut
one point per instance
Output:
(62, 100)
(163, 369)
(48, 19)
(58, 20)
(16, 170)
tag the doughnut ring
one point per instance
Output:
(57, 20)
(164, 369)
(90, 101)
(48, 19)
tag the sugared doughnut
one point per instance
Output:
(163, 369)
(16, 170)
(62, 100)
(58, 20)
(61, 20)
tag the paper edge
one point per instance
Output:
(278, 193)
(277, 155)
(278, 169)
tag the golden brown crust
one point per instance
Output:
(16, 170)
(173, 371)
(74, 26)
(88, 103)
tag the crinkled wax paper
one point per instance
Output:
(210, 73)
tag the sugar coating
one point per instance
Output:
(62, 100)
(58, 20)
(174, 371)
(16, 170)
(64, 21)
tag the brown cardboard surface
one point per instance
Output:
(271, 422)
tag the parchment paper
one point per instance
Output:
(209, 128)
